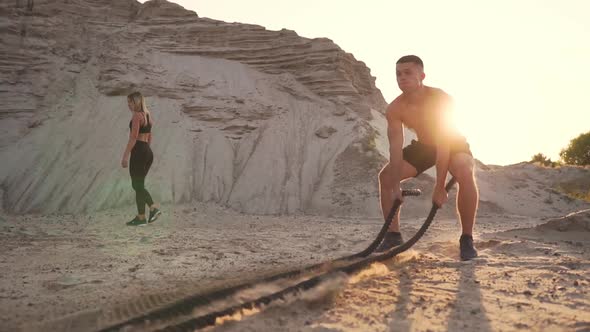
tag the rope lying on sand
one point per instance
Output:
(187, 305)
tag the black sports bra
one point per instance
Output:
(145, 129)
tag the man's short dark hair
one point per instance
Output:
(411, 58)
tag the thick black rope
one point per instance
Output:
(209, 319)
(186, 305)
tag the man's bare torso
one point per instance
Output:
(426, 114)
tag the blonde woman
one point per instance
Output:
(138, 156)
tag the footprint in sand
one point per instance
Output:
(64, 282)
(487, 244)
(450, 249)
(446, 249)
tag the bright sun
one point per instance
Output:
(487, 122)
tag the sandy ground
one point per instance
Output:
(527, 278)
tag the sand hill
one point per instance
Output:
(253, 119)
(267, 149)
(260, 121)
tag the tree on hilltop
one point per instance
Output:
(578, 151)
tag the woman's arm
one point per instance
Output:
(151, 132)
(135, 121)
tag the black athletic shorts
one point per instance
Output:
(423, 156)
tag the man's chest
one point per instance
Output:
(417, 116)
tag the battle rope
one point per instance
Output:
(186, 305)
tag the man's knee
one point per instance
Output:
(465, 175)
(406, 171)
(463, 172)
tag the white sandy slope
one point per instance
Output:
(248, 118)
(71, 162)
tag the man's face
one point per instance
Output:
(409, 76)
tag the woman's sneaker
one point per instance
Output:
(136, 222)
(154, 214)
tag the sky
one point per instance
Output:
(519, 70)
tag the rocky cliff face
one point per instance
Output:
(262, 121)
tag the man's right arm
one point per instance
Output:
(395, 134)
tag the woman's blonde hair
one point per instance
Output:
(139, 102)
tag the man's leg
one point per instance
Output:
(462, 168)
(386, 191)
(393, 236)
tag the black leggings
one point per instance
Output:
(139, 164)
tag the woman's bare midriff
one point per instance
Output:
(143, 137)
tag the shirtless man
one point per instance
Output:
(426, 111)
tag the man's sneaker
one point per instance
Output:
(391, 239)
(136, 222)
(466, 247)
(154, 214)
